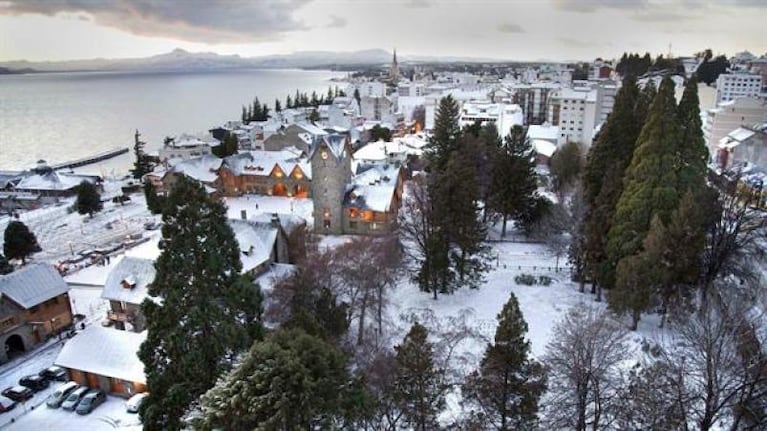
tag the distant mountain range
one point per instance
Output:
(180, 59)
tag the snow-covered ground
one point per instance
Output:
(109, 416)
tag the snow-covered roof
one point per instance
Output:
(256, 242)
(288, 222)
(311, 128)
(741, 134)
(335, 143)
(202, 168)
(261, 162)
(544, 148)
(106, 352)
(32, 284)
(53, 180)
(545, 132)
(373, 188)
(185, 140)
(129, 279)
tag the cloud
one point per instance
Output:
(337, 22)
(575, 43)
(508, 27)
(208, 21)
(593, 5)
(659, 15)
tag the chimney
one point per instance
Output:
(244, 214)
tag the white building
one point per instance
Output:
(379, 108)
(574, 111)
(730, 86)
(185, 147)
(502, 115)
(730, 115)
(369, 89)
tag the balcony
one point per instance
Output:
(120, 316)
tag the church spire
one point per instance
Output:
(394, 71)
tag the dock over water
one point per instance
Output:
(104, 155)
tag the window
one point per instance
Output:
(353, 225)
(326, 224)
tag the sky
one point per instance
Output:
(559, 30)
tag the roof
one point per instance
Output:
(32, 284)
(199, 168)
(546, 132)
(261, 163)
(544, 148)
(53, 180)
(256, 242)
(105, 351)
(336, 143)
(134, 271)
(288, 222)
(373, 188)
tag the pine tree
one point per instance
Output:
(288, 102)
(264, 113)
(608, 160)
(419, 384)
(329, 98)
(508, 383)
(227, 147)
(358, 98)
(290, 381)
(143, 163)
(455, 198)
(19, 242)
(650, 190)
(314, 116)
(206, 315)
(446, 137)
(512, 191)
(244, 115)
(277, 105)
(88, 199)
(692, 154)
(5, 266)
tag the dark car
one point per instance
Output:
(6, 404)
(34, 382)
(54, 373)
(18, 393)
(90, 401)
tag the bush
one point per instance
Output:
(544, 280)
(525, 279)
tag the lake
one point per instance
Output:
(66, 116)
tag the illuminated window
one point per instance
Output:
(324, 154)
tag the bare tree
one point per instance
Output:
(553, 229)
(583, 362)
(368, 267)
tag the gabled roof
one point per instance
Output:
(135, 271)
(53, 181)
(32, 284)
(106, 352)
(262, 163)
(373, 188)
(335, 143)
(256, 242)
(288, 222)
(202, 169)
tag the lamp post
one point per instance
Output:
(71, 250)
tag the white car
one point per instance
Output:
(134, 403)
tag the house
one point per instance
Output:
(372, 202)
(743, 145)
(125, 289)
(105, 358)
(293, 229)
(185, 147)
(261, 244)
(51, 184)
(34, 305)
(274, 173)
(203, 169)
(299, 135)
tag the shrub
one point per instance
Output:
(525, 279)
(544, 280)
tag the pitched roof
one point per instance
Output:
(53, 181)
(256, 242)
(336, 143)
(131, 271)
(200, 168)
(33, 284)
(106, 352)
(373, 188)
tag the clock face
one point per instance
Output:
(324, 154)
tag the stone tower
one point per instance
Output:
(330, 159)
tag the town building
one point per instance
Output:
(743, 146)
(379, 108)
(185, 147)
(503, 116)
(126, 288)
(106, 359)
(300, 135)
(50, 184)
(534, 100)
(34, 305)
(574, 111)
(730, 115)
(274, 173)
(731, 86)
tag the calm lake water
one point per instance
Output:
(66, 116)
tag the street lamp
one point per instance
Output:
(71, 250)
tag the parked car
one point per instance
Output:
(134, 403)
(18, 393)
(54, 373)
(61, 394)
(90, 401)
(74, 398)
(34, 382)
(6, 404)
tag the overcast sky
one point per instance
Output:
(512, 29)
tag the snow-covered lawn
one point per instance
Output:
(255, 204)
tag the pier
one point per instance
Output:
(104, 155)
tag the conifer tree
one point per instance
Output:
(314, 116)
(19, 242)
(419, 384)
(290, 381)
(455, 198)
(277, 105)
(5, 266)
(608, 160)
(646, 96)
(88, 199)
(650, 190)
(514, 182)
(244, 115)
(227, 147)
(508, 384)
(143, 163)
(447, 135)
(692, 154)
(154, 202)
(358, 98)
(288, 102)
(264, 113)
(205, 315)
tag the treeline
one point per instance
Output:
(633, 64)
(711, 67)
(258, 111)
